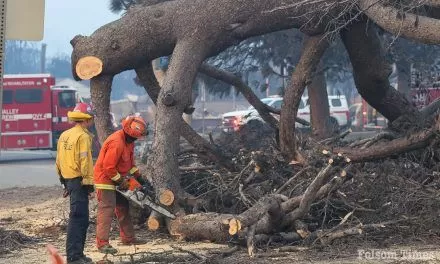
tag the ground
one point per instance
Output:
(41, 213)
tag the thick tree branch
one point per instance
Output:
(149, 81)
(364, 49)
(415, 141)
(262, 109)
(411, 26)
(247, 92)
(313, 49)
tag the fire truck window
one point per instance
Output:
(7, 97)
(28, 96)
(67, 99)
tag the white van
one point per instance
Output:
(338, 112)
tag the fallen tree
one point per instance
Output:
(194, 30)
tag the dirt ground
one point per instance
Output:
(41, 214)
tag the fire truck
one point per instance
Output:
(34, 111)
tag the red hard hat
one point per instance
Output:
(135, 126)
(81, 112)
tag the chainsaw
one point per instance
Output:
(139, 195)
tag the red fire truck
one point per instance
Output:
(34, 111)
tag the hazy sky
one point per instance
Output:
(66, 18)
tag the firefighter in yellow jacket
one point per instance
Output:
(74, 165)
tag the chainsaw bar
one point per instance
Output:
(143, 200)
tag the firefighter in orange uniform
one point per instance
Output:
(116, 160)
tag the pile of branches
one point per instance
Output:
(11, 240)
(331, 199)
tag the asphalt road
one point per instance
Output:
(37, 168)
(28, 173)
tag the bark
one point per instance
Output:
(319, 108)
(200, 227)
(415, 27)
(146, 33)
(243, 89)
(220, 227)
(202, 146)
(364, 49)
(100, 90)
(403, 76)
(313, 49)
(173, 98)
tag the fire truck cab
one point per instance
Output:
(34, 111)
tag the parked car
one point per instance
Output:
(338, 112)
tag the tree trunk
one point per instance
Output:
(371, 72)
(173, 98)
(313, 49)
(100, 90)
(319, 108)
(148, 80)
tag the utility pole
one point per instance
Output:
(43, 57)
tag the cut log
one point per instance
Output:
(88, 67)
(301, 228)
(155, 221)
(166, 197)
(199, 227)
(269, 205)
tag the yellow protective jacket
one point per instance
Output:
(74, 155)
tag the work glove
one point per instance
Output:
(148, 188)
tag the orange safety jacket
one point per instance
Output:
(115, 160)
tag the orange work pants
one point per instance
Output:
(110, 203)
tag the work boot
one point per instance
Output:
(107, 249)
(133, 242)
(87, 258)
